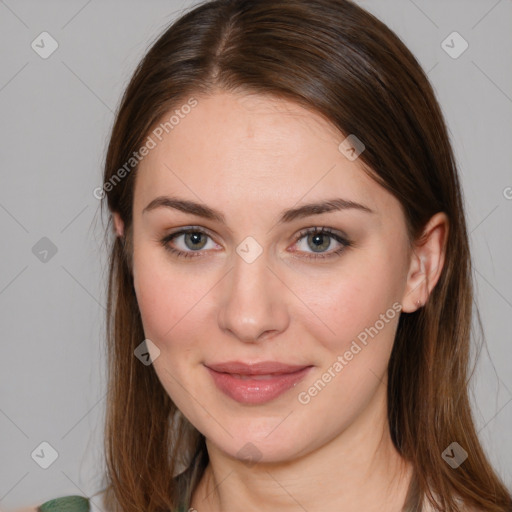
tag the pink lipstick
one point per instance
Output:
(256, 383)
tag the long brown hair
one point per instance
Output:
(336, 59)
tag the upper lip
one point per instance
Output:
(259, 368)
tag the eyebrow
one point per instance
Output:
(289, 215)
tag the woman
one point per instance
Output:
(291, 255)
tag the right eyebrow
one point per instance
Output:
(201, 210)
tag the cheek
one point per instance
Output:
(346, 304)
(362, 315)
(169, 298)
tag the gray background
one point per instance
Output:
(55, 122)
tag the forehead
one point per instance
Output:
(254, 149)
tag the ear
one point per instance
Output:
(118, 224)
(426, 263)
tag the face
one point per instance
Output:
(317, 289)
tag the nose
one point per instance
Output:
(253, 302)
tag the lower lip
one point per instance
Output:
(254, 391)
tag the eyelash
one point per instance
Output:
(314, 231)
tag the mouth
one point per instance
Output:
(256, 377)
(256, 383)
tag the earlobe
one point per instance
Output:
(426, 264)
(118, 224)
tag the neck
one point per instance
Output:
(360, 469)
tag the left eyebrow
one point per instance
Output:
(289, 215)
(331, 205)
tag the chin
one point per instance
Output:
(262, 443)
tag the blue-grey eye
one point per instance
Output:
(195, 240)
(319, 241)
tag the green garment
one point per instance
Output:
(66, 504)
(72, 504)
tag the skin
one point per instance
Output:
(250, 157)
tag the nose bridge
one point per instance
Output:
(252, 303)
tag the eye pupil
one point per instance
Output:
(319, 241)
(196, 240)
